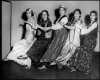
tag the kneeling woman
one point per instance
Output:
(18, 53)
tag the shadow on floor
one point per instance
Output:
(13, 70)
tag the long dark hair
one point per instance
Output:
(71, 17)
(24, 14)
(57, 15)
(87, 20)
(95, 12)
(40, 19)
(24, 17)
(78, 11)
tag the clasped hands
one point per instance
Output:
(44, 28)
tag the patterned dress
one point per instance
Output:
(82, 58)
(72, 42)
(57, 43)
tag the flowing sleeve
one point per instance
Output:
(60, 24)
(88, 30)
(28, 27)
(32, 26)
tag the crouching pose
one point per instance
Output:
(18, 53)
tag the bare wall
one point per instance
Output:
(19, 6)
(6, 12)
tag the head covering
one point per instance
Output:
(61, 6)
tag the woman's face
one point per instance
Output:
(77, 15)
(92, 16)
(28, 13)
(62, 11)
(44, 16)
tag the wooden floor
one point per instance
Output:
(13, 70)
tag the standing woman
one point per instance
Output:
(59, 38)
(43, 38)
(73, 40)
(82, 59)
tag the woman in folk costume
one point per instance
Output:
(43, 38)
(73, 40)
(82, 59)
(18, 53)
(59, 38)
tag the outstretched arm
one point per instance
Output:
(56, 26)
(60, 24)
(91, 28)
(43, 28)
(69, 27)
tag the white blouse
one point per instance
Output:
(59, 25)
(88, 30)
(74, 35)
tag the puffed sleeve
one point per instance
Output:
(60, 24)
(64, 21)
(91, 28)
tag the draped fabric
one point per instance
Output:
(57, 43)
(82, 59)
(18, 53)
(72, 42)
(41, 45)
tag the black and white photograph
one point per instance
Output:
(57, 39)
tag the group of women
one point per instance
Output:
(68, 42)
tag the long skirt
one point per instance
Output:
(82, 59)
(62, 59)
(38, 49)
(56, 45)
